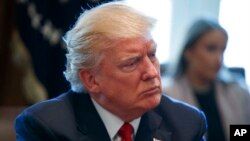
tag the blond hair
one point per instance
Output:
(99, 28)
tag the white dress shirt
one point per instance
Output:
(114, 123)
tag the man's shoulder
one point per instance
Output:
(180, 113)
(49, 118)
(50, 104)
(60, 106)
(177, 107)
(182, 120)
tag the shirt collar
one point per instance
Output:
(112, 122)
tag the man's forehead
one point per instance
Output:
(137, 41)
(131, 47)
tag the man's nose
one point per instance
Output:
(149, 69)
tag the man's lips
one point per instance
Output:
(152, 90)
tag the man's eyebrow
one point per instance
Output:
(130, 57)
(153, 46)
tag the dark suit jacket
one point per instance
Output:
(73, 117)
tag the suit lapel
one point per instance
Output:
(151, 129)
(88, 120)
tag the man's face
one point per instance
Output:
(129, 78)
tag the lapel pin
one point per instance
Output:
(154, 139)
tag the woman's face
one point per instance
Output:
(206, 56)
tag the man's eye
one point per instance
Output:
(152, 56)
(130, 66)
(132, 63)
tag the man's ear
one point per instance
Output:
(88, 79)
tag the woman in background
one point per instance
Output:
(200, 79)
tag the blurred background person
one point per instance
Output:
(199, 78)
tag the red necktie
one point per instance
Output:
(126, 132)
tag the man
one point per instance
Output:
(111, 55)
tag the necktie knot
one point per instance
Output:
(126, 132)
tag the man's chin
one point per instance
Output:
(154, 101)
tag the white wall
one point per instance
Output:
(184, 12)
